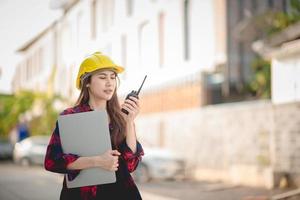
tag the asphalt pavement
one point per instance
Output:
(35, 183)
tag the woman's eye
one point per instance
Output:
(113, 77)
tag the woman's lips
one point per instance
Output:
(108, 91)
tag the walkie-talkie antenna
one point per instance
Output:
(141, 85)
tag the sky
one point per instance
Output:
(20, 21)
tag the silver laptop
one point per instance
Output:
(86, 134)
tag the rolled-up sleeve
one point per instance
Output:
(57, 161)
(131, 159)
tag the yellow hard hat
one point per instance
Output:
(94, 62)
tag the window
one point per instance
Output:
(148, 53)
(124, 49)
(27, 70)
(124, 52)
(161, 38)
(40, 57)
(186, 29)
(37, 67)
(111, 11)
(143, 43)
(94, 19)
(107, 14)
(79, 29)
(254, 6)
(241, 9)
(270, 3)
(129, 7)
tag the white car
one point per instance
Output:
(159, 163)
(31, 150)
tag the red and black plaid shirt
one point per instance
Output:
(124, 188)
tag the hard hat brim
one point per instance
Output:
(117, 69)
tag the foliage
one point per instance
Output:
(281, 20)
(273, 22)
(11, 107)
(260, 85)
(43, 124)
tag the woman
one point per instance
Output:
(97, 80)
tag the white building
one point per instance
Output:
(170, 41)
(286, 74)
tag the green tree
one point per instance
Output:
(11, 107)
(260, 85)
(44, 123)
(281, 20)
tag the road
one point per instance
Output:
(34, 183)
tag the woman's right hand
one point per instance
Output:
(108, 160)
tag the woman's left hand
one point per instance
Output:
(132, 105)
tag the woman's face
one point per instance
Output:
(103, 84)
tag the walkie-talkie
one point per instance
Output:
(135, 94)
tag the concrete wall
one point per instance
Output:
(287, 142)
(240, 143)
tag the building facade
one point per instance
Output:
(170, 42)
